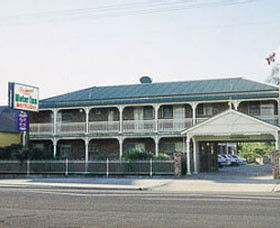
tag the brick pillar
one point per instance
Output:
(178, 164)
(275, 164)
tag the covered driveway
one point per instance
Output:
(229, 126)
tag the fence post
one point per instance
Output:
(86, 166)
(28, 168)
(66, 167)
(151, 167)
(107, 167)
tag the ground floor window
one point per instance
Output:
(136, 146)
(65, 150)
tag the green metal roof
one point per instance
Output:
(160, 92)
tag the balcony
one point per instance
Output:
(71, 128)
(174, 124)
(272, 119)
(104, 126)
(41, 128)
(139, 126)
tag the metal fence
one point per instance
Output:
(108, 167)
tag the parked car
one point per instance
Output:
(223, 161)
(234, 160)
(241, 161)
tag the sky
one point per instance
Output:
(62, 46)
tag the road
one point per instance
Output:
(27, 207)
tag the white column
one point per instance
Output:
(54, 121)
(86, 149)
(156, 145)
(188, 156)
(195, 160)
(156, 108)
(278, 107)
(87, 119)
(121, 147)
(194, 105)
(54, 147)
(121, 118)
(277, 142)
(235, 104)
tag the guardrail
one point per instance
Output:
(108, 167)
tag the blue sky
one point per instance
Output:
(66, 45)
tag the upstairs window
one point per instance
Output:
(148, 113)
(204, 110)
(167, 112)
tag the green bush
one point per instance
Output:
(18, 152)
(162, 157)
(135, 154)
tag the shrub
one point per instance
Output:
(162, 157)
(135, 154)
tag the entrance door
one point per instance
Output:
(208, 152)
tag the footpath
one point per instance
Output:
(246, 179)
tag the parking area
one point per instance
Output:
(241, 173)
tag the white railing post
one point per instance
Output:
(27, 167)
(151, 167)
(107, 167)
(66, 167)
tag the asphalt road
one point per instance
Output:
(20, 207)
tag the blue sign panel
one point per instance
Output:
(22, 121)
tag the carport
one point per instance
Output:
(228, 126)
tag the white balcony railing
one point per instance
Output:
(104, 126)
(201, 119)
(41, 128)
(71, 127)
(139, 125)
(174, 124)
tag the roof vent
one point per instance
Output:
(145, 80)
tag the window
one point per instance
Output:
(148, 113)
(254, 108)
(167, 112)
(205, 110)
(93, 148)
(136, 146)
(67, 117)
(65, 151)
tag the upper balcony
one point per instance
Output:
(164, 119)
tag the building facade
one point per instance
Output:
(9, 133)
(107, 122)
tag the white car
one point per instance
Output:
(223, 160)
(241, 161)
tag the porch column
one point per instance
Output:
(278, 109)
(277, 142)
(194, 105)
(156, 145)
(236, 104)
(87, 119)
(121, 108)
(54, 121)
(54, 147)
(156, 108)
(188, 156)
(121, 147)
(195, 156)
(86, 149)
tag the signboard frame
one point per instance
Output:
(12, 97)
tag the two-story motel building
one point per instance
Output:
(186, 116)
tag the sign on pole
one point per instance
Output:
(22, 121)
(23, 97)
